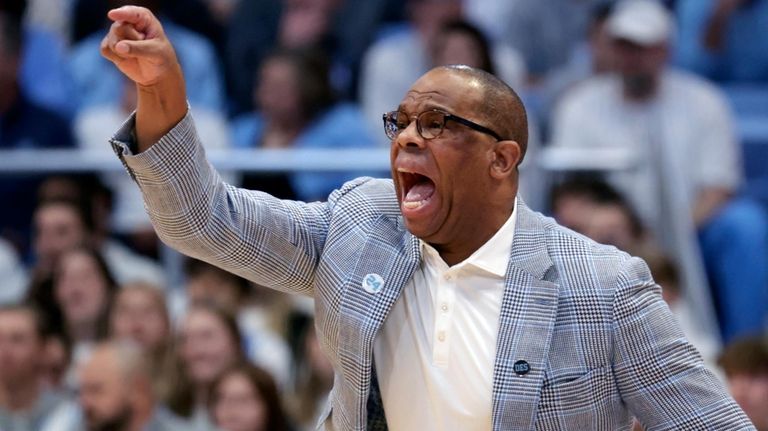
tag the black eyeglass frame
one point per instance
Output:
(446, 117)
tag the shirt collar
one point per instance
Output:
(493, 256)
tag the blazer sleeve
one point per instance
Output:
(269, 241)
(660, 375)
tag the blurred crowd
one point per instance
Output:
(94, 332)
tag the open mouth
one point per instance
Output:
(416, 190)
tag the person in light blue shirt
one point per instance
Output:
(724, 40)
(97, 83)
(298, 109)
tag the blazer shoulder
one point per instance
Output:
(582, 264)
(365, 197)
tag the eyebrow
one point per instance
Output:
(427, 107)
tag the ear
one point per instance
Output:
(506, 157)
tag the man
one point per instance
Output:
(688, 167)
(24, 402)
(382, 85)
(745, 363)
(115, 395)
(478, 313)
(63, 223)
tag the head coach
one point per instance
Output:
(441, 300)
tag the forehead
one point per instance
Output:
(102, 367)
(444, 89)
(16, 320)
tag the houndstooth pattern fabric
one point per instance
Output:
(600, 343)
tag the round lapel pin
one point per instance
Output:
(373, 283)
(521, 368)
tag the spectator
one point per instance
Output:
(83, 290)
(43, 74)
(298, 109)
(261, 314)
(688, 168)
(56, 358)
(313, 379)
(23, 125)
(589, 58)
(724, 39)
(615, 223)
(209, 342)
(544, 32)
(382, 85)
(24, 401)
(245, 398)
(67, 221)
(97, 83)
(116, 394)
(745, 363)
(93, 127)
(341, 29)
(459, 42)
(573, 201)
(139, 315)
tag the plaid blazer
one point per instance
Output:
(600, 343)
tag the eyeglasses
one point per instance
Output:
(429, 124)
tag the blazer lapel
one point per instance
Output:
(526, 322)
(387, 262)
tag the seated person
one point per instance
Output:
(745, 363)
(297, 108)
(23, 125)
(97, 83)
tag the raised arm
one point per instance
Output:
(137, 45)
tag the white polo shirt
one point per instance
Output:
(436, 351)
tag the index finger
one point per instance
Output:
(141, 18)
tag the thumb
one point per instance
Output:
(152, 49)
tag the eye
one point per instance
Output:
(432, 122)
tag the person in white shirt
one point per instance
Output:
(687, 170)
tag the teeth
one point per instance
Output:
(414, 204)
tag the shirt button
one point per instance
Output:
(448, 277)
(444, 307)
(441, 336)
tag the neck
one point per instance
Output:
(139, 421)
(471, 239)
(82, 331)
(201, 395)
(20, 397)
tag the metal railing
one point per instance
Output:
(551, 161)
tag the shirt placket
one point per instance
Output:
(444, 307)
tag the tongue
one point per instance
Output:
(420, 191)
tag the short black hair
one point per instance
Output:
(595, 189)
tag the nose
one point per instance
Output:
(410, 136)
